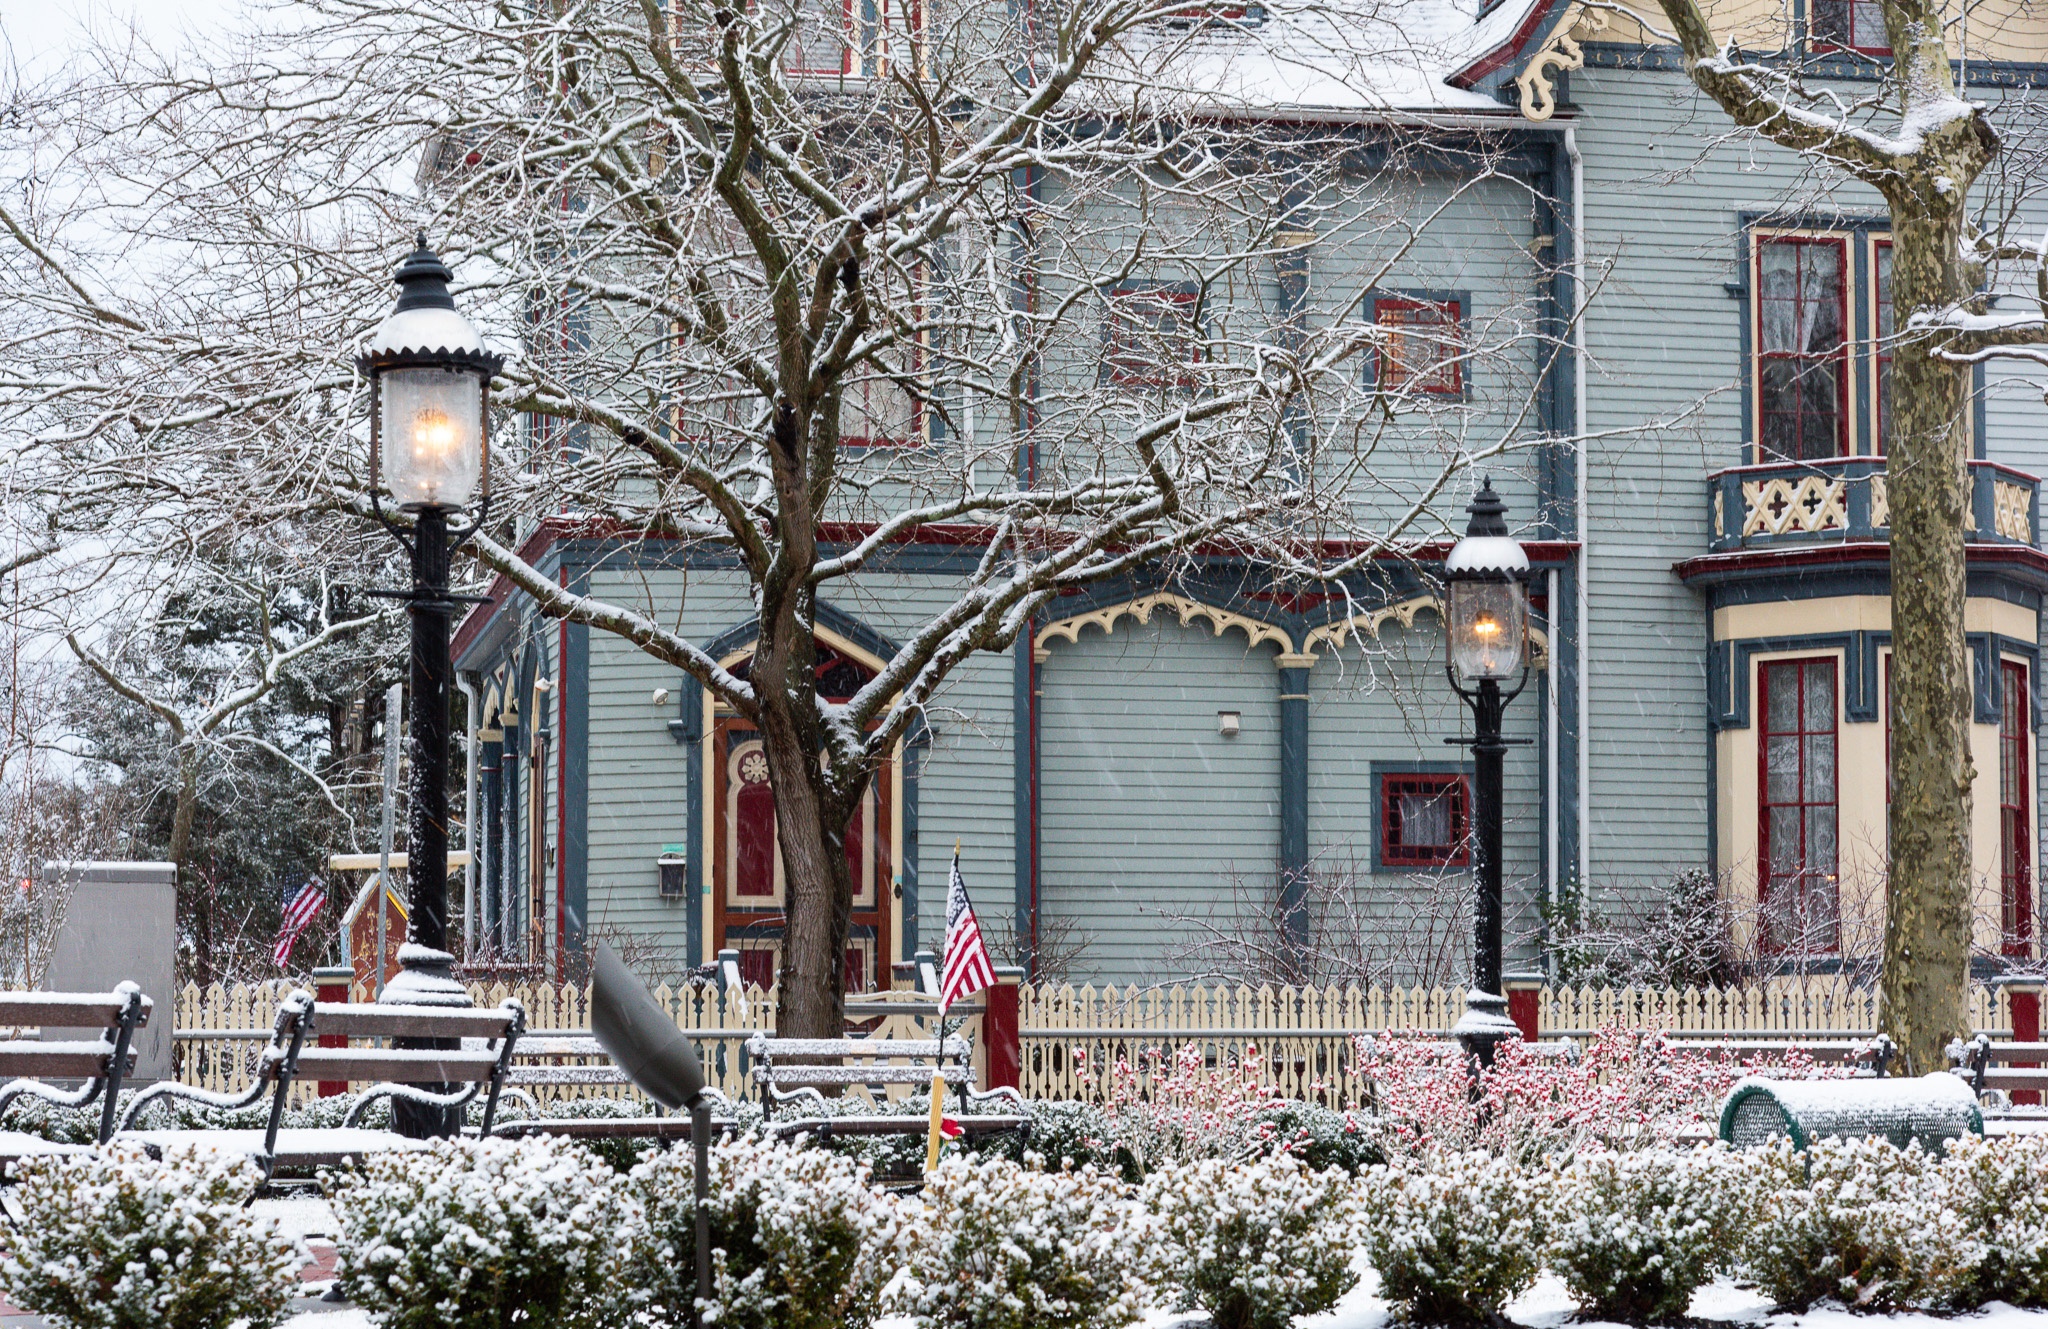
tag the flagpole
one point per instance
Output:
(933, 1129)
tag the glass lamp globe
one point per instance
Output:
(430, 377)
(1489, 598)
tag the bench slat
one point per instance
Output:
(364, 1020)
(397, 1065)
(2018, 1052)
(85, 1061)
(65, 1010)
(854, 1047)
(969, 1126)
(783, 1077)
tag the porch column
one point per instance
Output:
(1294, 797)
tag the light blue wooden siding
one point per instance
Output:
(1388, 702)
(638, 790)
(1478, 248)
(1147, 811)
(1664, 343)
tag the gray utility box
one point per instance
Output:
(119, 924)
(1931, 1109)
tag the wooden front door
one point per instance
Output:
(748, 891)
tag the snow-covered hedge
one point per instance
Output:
(1860, 1221)
(1999, 1189)
(1005, 1246)
(1455, 1237)
(115, 1240)
(800, 1239)
(1254, 1244)
(467, 1233)
(1633, 1234)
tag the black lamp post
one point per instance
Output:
(1488, 643)
(430, 380)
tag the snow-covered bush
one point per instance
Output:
(1004, 1246)
(478, 1234)
(1999, 1191)
(1455, 1236)
(1254, 1244)
(1175, 1107)
(1859, 1221)
(115, 1240)
(1319, 1136)
(1632, 1234)
(800, 1240)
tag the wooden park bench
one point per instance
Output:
(98, 1064)
(550, 1047)
(793, 1069)
(1870, 1056)
(2000, 1067)
(398, 1073)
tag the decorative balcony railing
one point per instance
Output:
(1820, 502)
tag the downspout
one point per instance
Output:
(468, 814)
(1580, 516)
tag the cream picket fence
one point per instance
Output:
(1076, 1043)
(1080, 1043)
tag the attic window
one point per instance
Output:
(1423, 351)
(1850, 25)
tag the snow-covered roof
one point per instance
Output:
(1318, 58)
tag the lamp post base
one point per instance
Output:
(426, 978)
(1484, 1024)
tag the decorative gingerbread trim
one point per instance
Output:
(1560, 53)
(1141, 608)
(1333, 636)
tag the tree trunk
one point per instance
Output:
(183, 813)
(1927, 902)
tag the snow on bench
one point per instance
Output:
(101, 1063)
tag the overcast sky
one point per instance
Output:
(38, 34)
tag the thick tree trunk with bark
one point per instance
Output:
(1927, 906)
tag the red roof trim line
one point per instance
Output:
(1858, 551)
(1504, 54)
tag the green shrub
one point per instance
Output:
(113, 1239)
(479, 1234)
(1005, 1246)
(1633, 1234)
(1256, 1243)
(800, 1239)
(1455, 1236)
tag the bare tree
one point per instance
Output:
(1924, 148)
(793, 290)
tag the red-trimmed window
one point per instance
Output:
(1424, 821)
(2015, 831)
(1802, 371)
(1149, 336)
(1850, 25)
(1424, 347)
(1881, 277)
(849, 38)
(1798, 806)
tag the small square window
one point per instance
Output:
(1424, 821)
(1149, 337)
(1850, 25)
(1425, 345)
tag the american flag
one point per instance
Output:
(298, 912)
(968, 969)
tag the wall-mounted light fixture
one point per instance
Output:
(661, 696)
(1228, 723)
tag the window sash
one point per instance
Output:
(1149, 337)
(1399, 795)
(1425, 349)
(2015, 866)
(1801, 377)
(1798, 804)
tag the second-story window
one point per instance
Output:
(1850, 25)
(1424, 346)
(1802, 368)
(2015, 829)
(1423, 820)
(1150, 337)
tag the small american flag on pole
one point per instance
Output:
(299, 911)
(968, 968)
